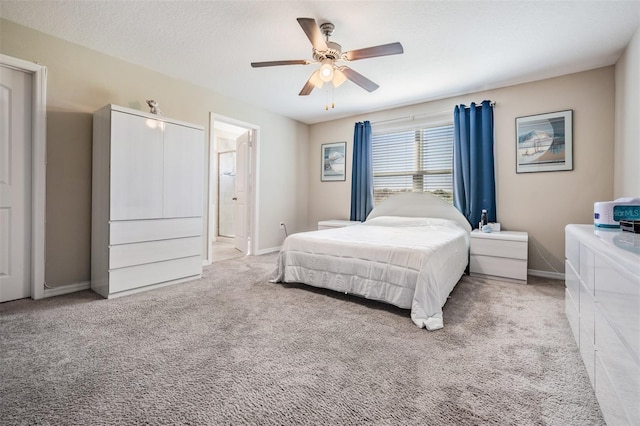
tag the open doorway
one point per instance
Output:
(232, 188)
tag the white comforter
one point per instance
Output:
(408, 262)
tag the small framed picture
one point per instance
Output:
(544, 142)
(333, 158)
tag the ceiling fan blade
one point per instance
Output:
(372, 52)
(311, 29)
(359, 79)
(308, 87)
(276, 63)
(314, 81)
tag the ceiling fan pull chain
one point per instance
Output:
(326, 104)
(333, 98)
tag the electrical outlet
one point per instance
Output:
(281, 225)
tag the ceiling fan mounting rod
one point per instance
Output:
(334, 50)
(327, 29)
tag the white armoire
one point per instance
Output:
(147, 201)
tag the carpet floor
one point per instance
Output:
(232, 348)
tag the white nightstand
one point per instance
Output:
(501, 255)
(329, 224)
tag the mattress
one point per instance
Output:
(412, 263)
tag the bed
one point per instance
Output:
(410, 252)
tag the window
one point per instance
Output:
(416, 160)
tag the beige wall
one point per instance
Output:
(539, 203)
(627, 154)
(81, 81)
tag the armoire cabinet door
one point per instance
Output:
(136, 167)
(183, 171)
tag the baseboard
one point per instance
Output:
(153, 286)
(267, 250)
(546, 274)
(66, 289)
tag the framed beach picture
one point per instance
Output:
(333, 161)
(544, 142)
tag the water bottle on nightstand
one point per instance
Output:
(483, 219)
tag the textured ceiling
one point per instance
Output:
(451, 47)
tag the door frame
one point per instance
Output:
(253, 208)
(38, 167)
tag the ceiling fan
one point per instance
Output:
(328, 53)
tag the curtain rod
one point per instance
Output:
(414, 117)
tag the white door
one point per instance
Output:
(227, 192)
(15, 183)
(241, 238)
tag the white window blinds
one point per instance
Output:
(415, 160)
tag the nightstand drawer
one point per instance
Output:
(499, 248)
(498, 267)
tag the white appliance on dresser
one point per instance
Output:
(147, 201)
(603, 308)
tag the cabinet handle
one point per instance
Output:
(234, 198)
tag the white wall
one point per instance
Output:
(627, 154)
(539, 203)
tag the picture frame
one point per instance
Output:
(544, 142)
(333, 162)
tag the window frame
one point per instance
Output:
(417, 175)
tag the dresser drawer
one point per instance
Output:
(618, 294)
(610, 406)
(125, 255)
(153, 273)
(587, 353)
(498, 267)
(572, 282)
(587, 312)
(135, 231)
(587, 266)
(616, 369)
(572, 248)
(571, 310)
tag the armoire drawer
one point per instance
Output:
(153, 273)
(135, 231)
(125, 255)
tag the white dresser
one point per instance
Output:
(501, 255)
(603, 308)
(147, 201)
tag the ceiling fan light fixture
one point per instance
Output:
(315, 79)
(338, 77)
(326, 70)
